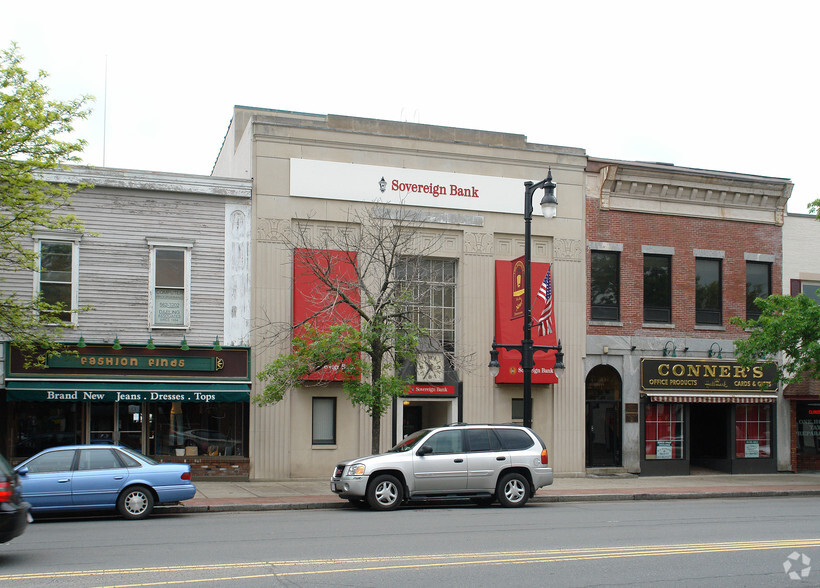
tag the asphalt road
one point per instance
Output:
(726, 542)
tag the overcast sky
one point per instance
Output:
(720, 85)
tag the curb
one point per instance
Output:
(604, 497)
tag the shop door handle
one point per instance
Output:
(459, 460)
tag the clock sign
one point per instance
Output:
(430, 367)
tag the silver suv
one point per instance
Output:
(507, 463)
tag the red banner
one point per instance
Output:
(322, 305)
(431, 389)
(509, 320)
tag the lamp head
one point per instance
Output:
(549, 203)
(494, 366)
(559, 360)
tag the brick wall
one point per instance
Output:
(213, 468)
(685, 234)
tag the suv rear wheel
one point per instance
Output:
(385, 493)
(513, 490)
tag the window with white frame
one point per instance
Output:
(324, 421)
(170, 283)
(432, 287)
(58, 276)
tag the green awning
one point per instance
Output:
(44, 391)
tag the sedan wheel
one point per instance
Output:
(513, 490)
(135, 502)
(385, 493)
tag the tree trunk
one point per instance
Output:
(375, 433)
(376, 415)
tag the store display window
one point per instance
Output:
(753, 430)
(808, 428)
(664, 431)
(190, 429)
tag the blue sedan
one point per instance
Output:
(102, 477)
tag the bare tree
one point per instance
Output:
(367, 318)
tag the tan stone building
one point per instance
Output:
(467, 188)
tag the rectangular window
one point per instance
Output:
(324, 421)
(605, 285)
(431, 285)
(518, 409)
(758, 285)
(708, 292)
(664, 431)
(58, 277)
(657, 288)
(753, 430)
(170, 284)
(811, 289)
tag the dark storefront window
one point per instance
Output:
(39, 425)
(664, 431)
(657, 288)
(708, 294)
(605, 285)
(758, 285)
(204, 428)
(808, 428)
(753, 430)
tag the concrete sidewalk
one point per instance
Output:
(303, 494)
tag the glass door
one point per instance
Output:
(101, 423)
(116, 423)
(129, 425)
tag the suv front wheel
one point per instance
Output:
(385, 493)
(513, 490)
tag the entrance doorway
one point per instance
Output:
(416, 414)
(411, 420)
(119, 423)
(709, 436)
(603, 417)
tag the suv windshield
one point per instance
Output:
(408, 442)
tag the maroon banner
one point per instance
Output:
(509, 322)
(320, 304)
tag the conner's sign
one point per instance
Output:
(705, 376)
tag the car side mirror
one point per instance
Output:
(424, 450)
(22, 471)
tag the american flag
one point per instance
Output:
(545, 294)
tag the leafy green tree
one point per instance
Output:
(34, 138)
(790, 324)
(383, 248)
(814, 208)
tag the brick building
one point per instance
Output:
(673, 254)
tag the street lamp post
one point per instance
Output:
(549, 205)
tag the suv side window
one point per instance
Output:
(482, 440)
(446, 442)
(514, 439)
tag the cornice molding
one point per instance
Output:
(150, 181)
(665, 189)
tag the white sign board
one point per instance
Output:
(169, 307)
(411, 187)
(752, 448)
(664, 450)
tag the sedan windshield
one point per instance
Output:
(410, 441)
